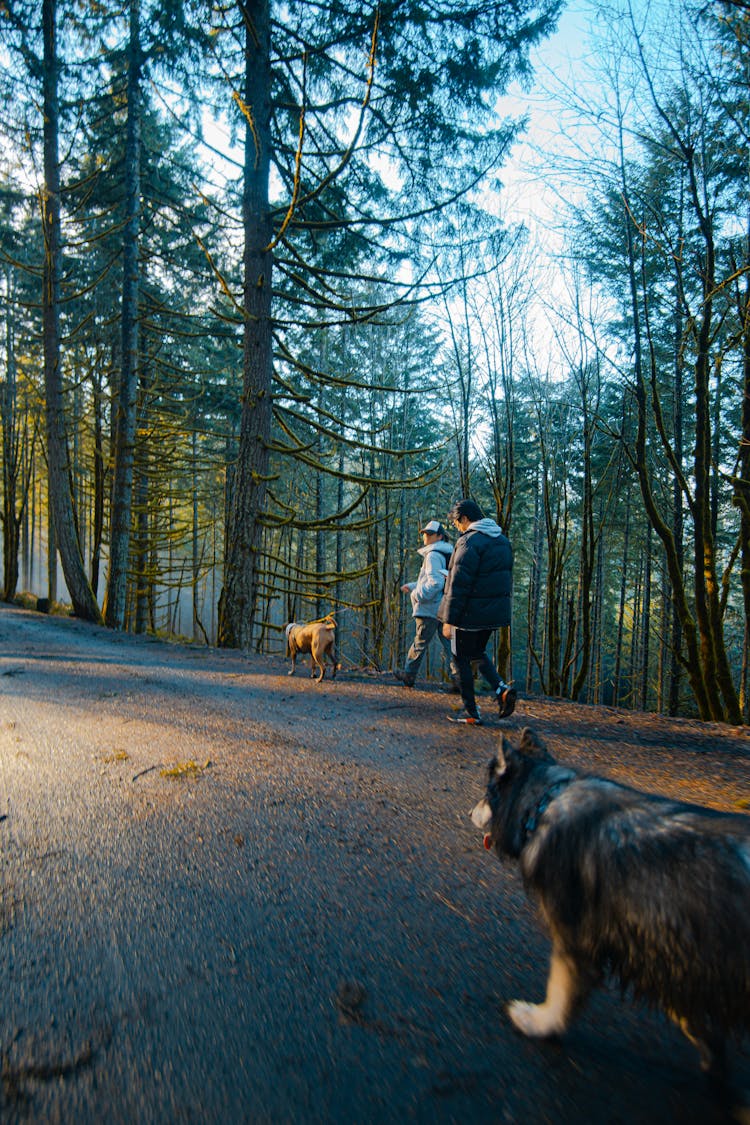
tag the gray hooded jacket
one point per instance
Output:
(427, 591)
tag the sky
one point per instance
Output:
(551, 169)
(569, 108)
(560, 59)
(570, 70)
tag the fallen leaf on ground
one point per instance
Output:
(185, 769)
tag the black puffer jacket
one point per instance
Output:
(480, 580)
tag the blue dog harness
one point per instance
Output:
(532, 820)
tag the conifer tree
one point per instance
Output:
(396, 95)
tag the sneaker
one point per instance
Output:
(464, 716)
(506, 700)
(402, 677)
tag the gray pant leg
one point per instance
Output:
(426, 627)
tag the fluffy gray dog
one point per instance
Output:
(650, 890)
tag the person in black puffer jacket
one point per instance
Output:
(476, 601)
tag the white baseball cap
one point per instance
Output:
(434, 527)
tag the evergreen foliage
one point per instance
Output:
(321, 354)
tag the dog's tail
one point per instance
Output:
(329, 620)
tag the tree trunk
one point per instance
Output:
(535, 590)
(237, 604)
(198, 630)
(588, 543)
(51, 558)
(675, 624)
(143, 547)
(60, 494)
(646, 624)
(742, 482)
(643, 468)
(12, 517)
(620, 644)
(594, 690)
(122, 487)
(100, 474)
(556, 529)
(716, 670)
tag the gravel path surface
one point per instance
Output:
(227, 895)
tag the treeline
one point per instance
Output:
(263, 318)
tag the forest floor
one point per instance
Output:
(227, 894)
(704, 762)
(701, 762)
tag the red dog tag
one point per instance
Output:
(488, 841)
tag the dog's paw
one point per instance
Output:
(534, 1020)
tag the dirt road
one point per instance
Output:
(231, 896)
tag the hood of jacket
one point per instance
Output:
(487, 527)
(441, 545)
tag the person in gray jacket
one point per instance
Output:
(426, 594)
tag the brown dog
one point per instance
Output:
(318, 638)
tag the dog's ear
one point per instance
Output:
(533, 746)
(501, 762)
